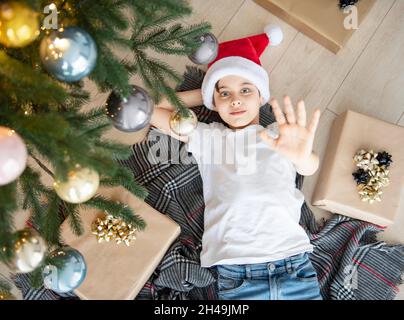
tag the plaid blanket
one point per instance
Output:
(350, 262)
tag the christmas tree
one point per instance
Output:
(42, 92)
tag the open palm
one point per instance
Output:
(295, 140)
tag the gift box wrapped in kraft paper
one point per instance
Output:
(336, 189)
(118, 271)
(321, 20)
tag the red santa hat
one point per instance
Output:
(241, 58)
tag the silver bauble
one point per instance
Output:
(207, 51)
(29, 251)
(69, 55)
(132, 113)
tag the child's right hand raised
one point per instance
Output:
(295, 140)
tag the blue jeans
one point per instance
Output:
(293, 278)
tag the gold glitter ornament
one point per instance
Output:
(183, 126)
(80, 186)
(109, 228)
(19, 24)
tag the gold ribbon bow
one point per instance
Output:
(110, 228)
(378, 176)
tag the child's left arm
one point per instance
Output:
(295, 140)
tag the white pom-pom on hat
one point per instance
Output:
(274, 33)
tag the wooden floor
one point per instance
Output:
(366, 76)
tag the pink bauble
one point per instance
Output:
(13, 155)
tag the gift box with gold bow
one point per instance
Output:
(375, 193)
(120, 259)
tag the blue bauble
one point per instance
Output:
(69, 55)
(70, 275)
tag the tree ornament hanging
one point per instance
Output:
(13, 155)
(66, 271)
(131, 113)
(19, 24)
(80, 186)
(69, 54)
(29, 250)
(183, 125)
(207, 51)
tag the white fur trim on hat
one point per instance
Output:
(237, 66)
(274, 34)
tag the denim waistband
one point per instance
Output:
(247, 271)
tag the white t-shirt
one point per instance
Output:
(252, 205)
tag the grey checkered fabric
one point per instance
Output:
(350, 262)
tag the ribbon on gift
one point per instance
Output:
(109, 228)
(372, 175)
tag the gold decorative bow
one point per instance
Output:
(110, 228)
(378, 176)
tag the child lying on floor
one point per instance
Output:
(252, 235)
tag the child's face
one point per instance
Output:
(237, 94)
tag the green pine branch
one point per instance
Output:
(147, 10)
(8, 205)
(71, 211)
(33, 196)
(116, 209)
(51, 220)
(22, 83)
(175, 39)
(59, 135)
(124, 177)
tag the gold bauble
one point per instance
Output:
(183, 126)
(19, 24)
(80, 186)
(29, 251)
